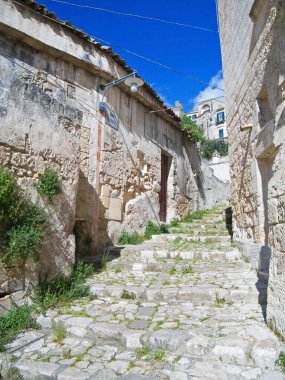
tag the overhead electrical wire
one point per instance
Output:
(186, 105)
(159, 64)
(135, 15)
(141, 56)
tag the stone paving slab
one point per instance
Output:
(168, 309)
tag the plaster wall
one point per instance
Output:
(252, 40)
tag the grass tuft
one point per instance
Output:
(59, 331)
(63, 290)
(219, 301)
(280, 362)
(128, 295)
(15, 321)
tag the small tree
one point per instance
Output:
(193, 131)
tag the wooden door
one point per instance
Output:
(163, 189)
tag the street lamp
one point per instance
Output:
(131, 80)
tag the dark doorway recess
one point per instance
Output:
(165, 166)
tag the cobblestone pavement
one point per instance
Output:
(181, 306)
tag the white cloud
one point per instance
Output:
(210, 92)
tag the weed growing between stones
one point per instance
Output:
(280, 362)
(166, 282)
(63, 290)
(118, 269)
(187, 270)
(59, 331)
(143, 351)
(135, 239)
(219, 302)
(172, 271)
(128, 295)
(153, 229)
(48, 184)
(146, 354)
(104, 261)
(174, 222)
(131, 239)
(159, 355)
(15, 321)
(7, 371)
(197, 215)
(203, 319)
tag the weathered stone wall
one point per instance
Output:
(253, 54)
(130, 174)
(109, 162)
(41, 125)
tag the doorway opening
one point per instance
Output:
(165, 167)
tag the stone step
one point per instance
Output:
(186, 237)
(204, 294)
(176, 307)
(204, 232)
(152, 254)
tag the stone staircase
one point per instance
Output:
(180, 306)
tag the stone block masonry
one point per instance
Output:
(252, 40)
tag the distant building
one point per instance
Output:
(178, 109)
(210, 116)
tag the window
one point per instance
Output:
(194, 117)
(205, 108)
(221, 133)
(220, 117)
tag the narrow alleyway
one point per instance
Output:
(181, 306)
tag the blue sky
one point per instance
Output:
(192, 51)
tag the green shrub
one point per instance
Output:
(23, 243)
(16, 320)
(193, 131)
(23, 224)
(63, 290)
(48, 184)
(11, 204)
